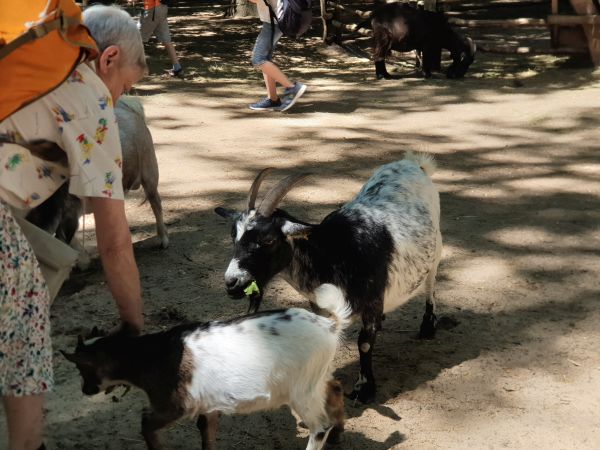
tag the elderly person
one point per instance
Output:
(79, 117)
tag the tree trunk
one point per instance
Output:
(242, 8)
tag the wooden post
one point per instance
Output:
(324, 18)
(592, 32)
(554, 30)
(337, 35)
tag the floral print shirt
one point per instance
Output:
(79, 117)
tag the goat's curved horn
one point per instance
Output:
(276, 194)
(255, 186)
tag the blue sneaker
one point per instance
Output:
(291, 95)
(266, 104)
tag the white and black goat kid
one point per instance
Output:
(380, 249)
(252, 363)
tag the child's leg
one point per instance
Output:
(262, 56)
(272, 72)
(172, 55)
(271, 87)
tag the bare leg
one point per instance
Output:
(269, 69)
(171, 51)
(25, 419)
(271, 87)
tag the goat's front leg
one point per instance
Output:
(152, 422)
(382, 73)
(364, 388)
(207, 424)
(431, 59)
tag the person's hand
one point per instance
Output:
(127, 329)
(116, 252)
(132, 327)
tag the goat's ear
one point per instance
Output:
(295, 230)
(231, 214)
(80, 343)
(96, 332)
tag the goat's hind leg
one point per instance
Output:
(428, 325)
(155, 203)
(207, 424)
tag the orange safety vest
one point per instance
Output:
(41, 42)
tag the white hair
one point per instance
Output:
(111, 25)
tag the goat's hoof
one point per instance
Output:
(427, 330)
(164, 242)
(364, 394)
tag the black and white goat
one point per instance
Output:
(253, 363)
(59, 215)
(380, 249)
(401, 27)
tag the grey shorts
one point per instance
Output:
(154, 21)
(264, 46)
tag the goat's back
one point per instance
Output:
(396, 216)
(139, 158)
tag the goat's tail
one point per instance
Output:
(133, 103)
(332, 299)
(424, 160)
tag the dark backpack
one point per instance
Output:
(292, 16)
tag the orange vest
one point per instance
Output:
(41, 42)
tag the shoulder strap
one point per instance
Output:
(61, 23)
(41, 42)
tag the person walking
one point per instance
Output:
(153, 21)
(262, 58)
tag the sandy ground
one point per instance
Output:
(517, 148)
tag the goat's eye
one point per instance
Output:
(268, 242)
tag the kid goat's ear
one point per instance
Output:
(231, 214)
(295, 230)
(80, 343)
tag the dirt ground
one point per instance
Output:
(516, 142)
